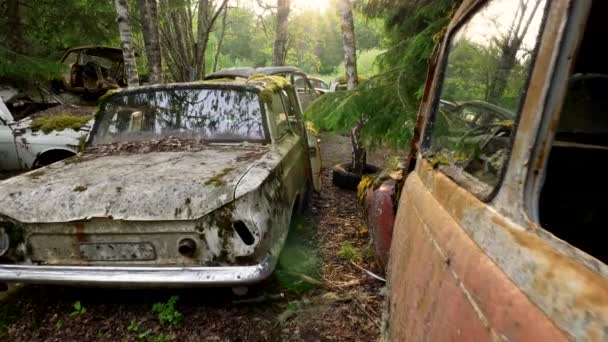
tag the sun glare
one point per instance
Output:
(320, 5)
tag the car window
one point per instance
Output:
(280, 114)
(215, 115)
(301, 83)
(485, 79)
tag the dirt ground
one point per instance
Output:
(316, 294)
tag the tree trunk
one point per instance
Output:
(509, 47)
(220, 39)
(202, 37)
(348, 40)
(279, 54)
(359, 154)
(149, 20)
(15, 37)
(126, 37)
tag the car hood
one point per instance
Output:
(141, 187)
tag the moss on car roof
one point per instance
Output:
(59, 122)
(266, 85)
(271, 84)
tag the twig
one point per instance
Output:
(259, 299)
(369, 273)
(308, 279)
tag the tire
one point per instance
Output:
(344, 179)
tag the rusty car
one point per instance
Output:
(179, 185)
(42, 138)
(503, 237)
(91, 70)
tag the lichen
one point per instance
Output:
(80, 188)
(36, 174)
(217, 179)
(59, 122)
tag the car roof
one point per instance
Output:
(257, 84)
(248, 72)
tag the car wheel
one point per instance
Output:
(344, 179)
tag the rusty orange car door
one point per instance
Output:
(468, 262)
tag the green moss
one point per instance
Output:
(105, 96)
(73, 160)
(349, 252)
(217, 180)
(342, 79)
(271, 85)
(439, 160)
(80, 188)
(59, 122)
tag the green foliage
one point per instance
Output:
(48, 28)
(349, 252)
(299, 258)
(388, 103)
(134, 326)
(79, 309)
(167, 312)
(59, 122)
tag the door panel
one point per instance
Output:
(314, 152)
(305, 91)
(443, 285)
(8, 151)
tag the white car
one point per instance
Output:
(22, 148)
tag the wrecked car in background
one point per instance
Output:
(91, 71)
(500, 228)
(42, 138)
(180, 184)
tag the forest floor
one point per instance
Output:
(317, 292)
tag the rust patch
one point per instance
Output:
(593, 294)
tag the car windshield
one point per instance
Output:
(215, 115)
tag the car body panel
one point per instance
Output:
(465, 267)
(114, 186)
(21, 147)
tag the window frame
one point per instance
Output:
(280, 135)
(478, 188)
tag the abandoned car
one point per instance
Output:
(42, 138)
(298, 79)
(500, 231)
(180, 184)
(91, 70)
(320, 86)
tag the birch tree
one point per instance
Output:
(220, 40)
(149, 20)
(184, 49)
(279, 53)
(352, 80)
(126, 38)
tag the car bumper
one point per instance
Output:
(138, 276)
